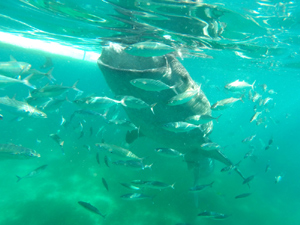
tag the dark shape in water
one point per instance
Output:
(97, 158)
(58, 140)
(248, 179)
(119, 68)
(106, 161)
(91, 208)
(47, 64)
(105, 184)
(244, 195)
(33, 173)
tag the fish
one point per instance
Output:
(81, 134)
(6, 81)
(231, 167)
(210, 146)
(201, 119)
(256, 97)
(255, 116)
(244, 195)
(48, 63)
(20, 108)
(178, 127)
(97, 158)
(105, 184)
(52, 90)
(266, 100)
(248, 179)
(136, 103)
(201, 187)
(239, 85)
(135, 196)
(13, 68)
(249, 154)
(53, 105)
(91, 131)
(150, 84)
(97, 103)
(213, 215)
(38, 75)
(168, 152)
(148, 49)
(225, 103)
(272, 92)
(12, 151)
(249, 139)
(152, 184)
(183, 97)
(88, 148)
(123, 123)
(91, 208)
(33, 173)
(264, 87)
(278, 178)
(268, 166)
(106, 161)
(58, 140)
(134, 164)
(130, 186)
(118, 151)
(1, 117)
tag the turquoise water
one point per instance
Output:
(260, 42)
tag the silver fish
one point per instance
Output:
(38, 75)
(225, 103)
(135, 196)
(183, 97)
(52, 90)
(11, 151)
(201, 119)
(136, 103)
(6, 81)
(20, 108)
(201, 187)
(134, 164)
(118, 151)
(249, 139)
(152, 184)
(150, 84)
(169, 152)
(255, 116)
(239, 85)
(210, 146)
(256, 97)
(148, 49)
(13, 68)
(33, 173)
(97, 103)
(178, 127)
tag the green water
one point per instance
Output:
(271, 52)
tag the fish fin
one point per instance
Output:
(152, 106)
(172, 186)
(12, 58)
(252, 86)
(217, 119)
(49, 75)
(74, 86)
(19, 178)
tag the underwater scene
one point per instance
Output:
(172, 112)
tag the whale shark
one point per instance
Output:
(119, 69)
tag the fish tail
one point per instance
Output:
(217, 119)
(19, 178)
(74, 86)
(172, 186)
(152, 106)
(149, 166)
(122, 101)
(49, 75)
(252, 86)
(211, 184)
(26, 81)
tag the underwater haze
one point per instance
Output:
(218, 43)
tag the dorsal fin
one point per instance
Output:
(12, 58)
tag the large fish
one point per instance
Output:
(19, 108)
(11, 151)
(120, 68)
(13, 68)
